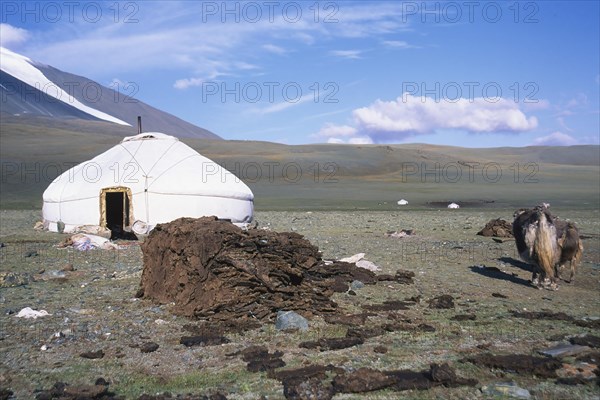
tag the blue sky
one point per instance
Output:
(475, 74)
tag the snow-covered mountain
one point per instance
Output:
(30, 88)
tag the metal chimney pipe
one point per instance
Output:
(139, 124)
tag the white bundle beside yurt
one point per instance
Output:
(146, 179)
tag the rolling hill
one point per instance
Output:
(324, 176)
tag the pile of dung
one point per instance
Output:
(212, 269)
(497, 228)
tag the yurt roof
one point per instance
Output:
(152, 162)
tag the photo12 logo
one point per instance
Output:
(271, 92)
(253, 12)
(70, 11)
(452, 92)
(455, 12)
(70, 91)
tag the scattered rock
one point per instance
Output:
(509, 389)
(499, 295)
(355, 285)
(380, 349)
(149, 347)
(290, 320)
(564, 350)
(31, 253)
(444, 301)
(93, 354)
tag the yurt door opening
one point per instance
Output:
(115, 211)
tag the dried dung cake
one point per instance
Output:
(497, 228)
(212, 269)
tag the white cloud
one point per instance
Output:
(188, 82)
(399, 44)
(561, 122)
(396, 120)
(351, 54)
(361, 140)
(555, 139)
(284, 105)
(11, 36)
(580, 99)
(166, 38)
(409, 115)
(354, 140)
(271, 48)
(536, 105)
(331, 131)
(339, 134)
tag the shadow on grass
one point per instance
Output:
(517, 263)
(493, 272)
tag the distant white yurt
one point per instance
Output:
(453, 205)
(402, 202)
(146, 179)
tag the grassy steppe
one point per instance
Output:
(325, 176)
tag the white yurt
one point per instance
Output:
(402, 202)
(453, 205)
(146, 179)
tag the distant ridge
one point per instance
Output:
(31, 89)
(323, 176)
